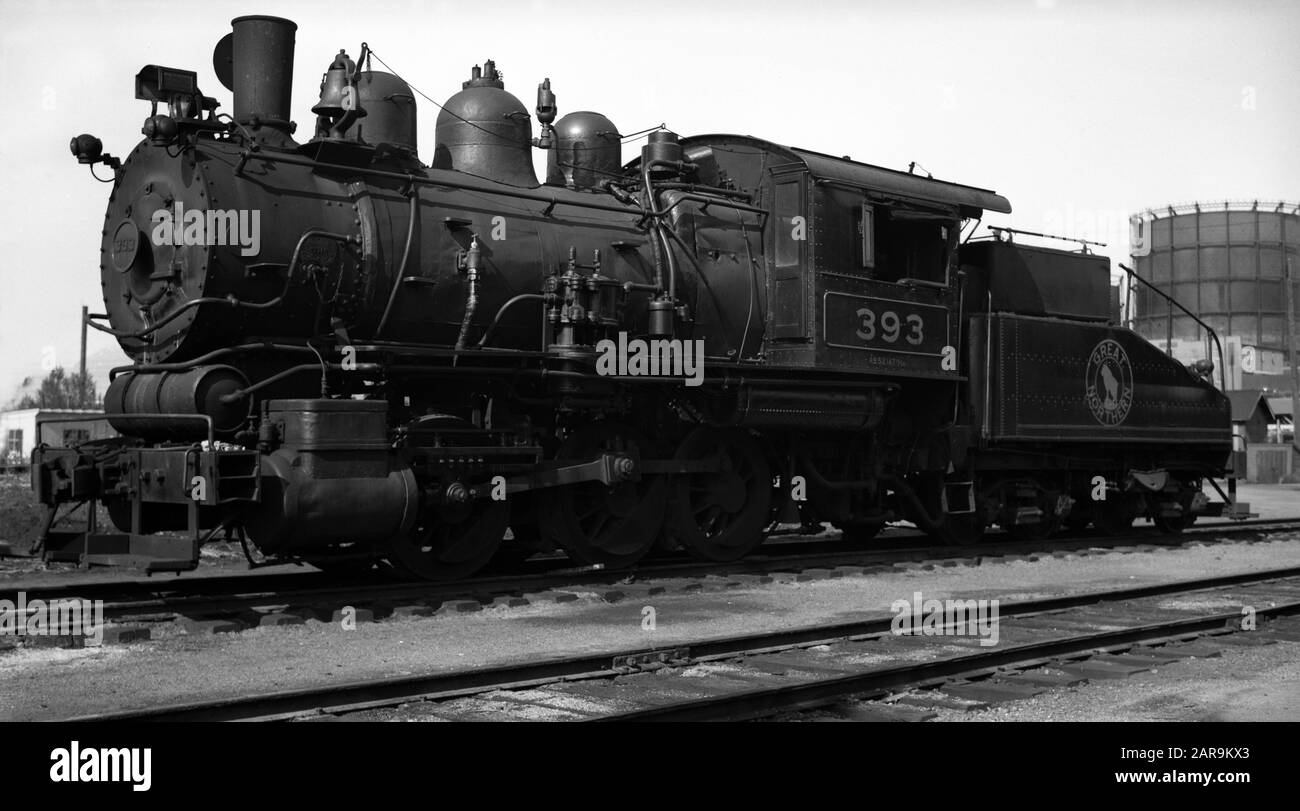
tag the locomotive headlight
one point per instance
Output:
(160, 129)
(87, 148)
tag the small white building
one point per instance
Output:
(19, 430)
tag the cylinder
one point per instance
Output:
(333, 479)
(134, 396)
(263, 70)
(314, 500)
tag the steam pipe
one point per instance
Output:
(406, 255)
(709, 201)
(660, 229)
(236, 396)
(501, 312)
(471, 304)
(694, 187)
(658, 242)
(658, 250)
(471, 301)
(202, 359)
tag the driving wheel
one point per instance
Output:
(720, 514)
(598, 524)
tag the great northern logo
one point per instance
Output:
(1109, 383)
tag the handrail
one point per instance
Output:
(1223, 370)
(230, 300)
(445, 182)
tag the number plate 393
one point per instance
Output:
(885, 325)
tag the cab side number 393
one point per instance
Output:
(889, 326)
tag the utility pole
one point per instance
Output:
(86, 397)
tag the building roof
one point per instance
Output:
(1280, 406)
(53, 411)
(1245, 403)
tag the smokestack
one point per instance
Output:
(262, 57)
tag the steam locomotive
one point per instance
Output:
(344, 356)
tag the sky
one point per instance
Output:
(1081, 112)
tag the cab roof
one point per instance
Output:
(828, 168)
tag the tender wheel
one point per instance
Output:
(348, 567)
(451, 541)
(599, 525)
(720, 515)
(1173, 526)
(955, 529)
(1077, 521)
(1114, 516)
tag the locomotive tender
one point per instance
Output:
(343, 355)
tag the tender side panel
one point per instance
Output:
(1050, 380)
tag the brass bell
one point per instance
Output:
(338, 94)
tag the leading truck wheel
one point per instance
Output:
(451, 541)
(598, 524)
(720, 515)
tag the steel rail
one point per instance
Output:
(223, 595)
(440, 685)
(763, 702)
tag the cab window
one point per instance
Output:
(911, 246)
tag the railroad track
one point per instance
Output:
(1041, 643)
(243, 601)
